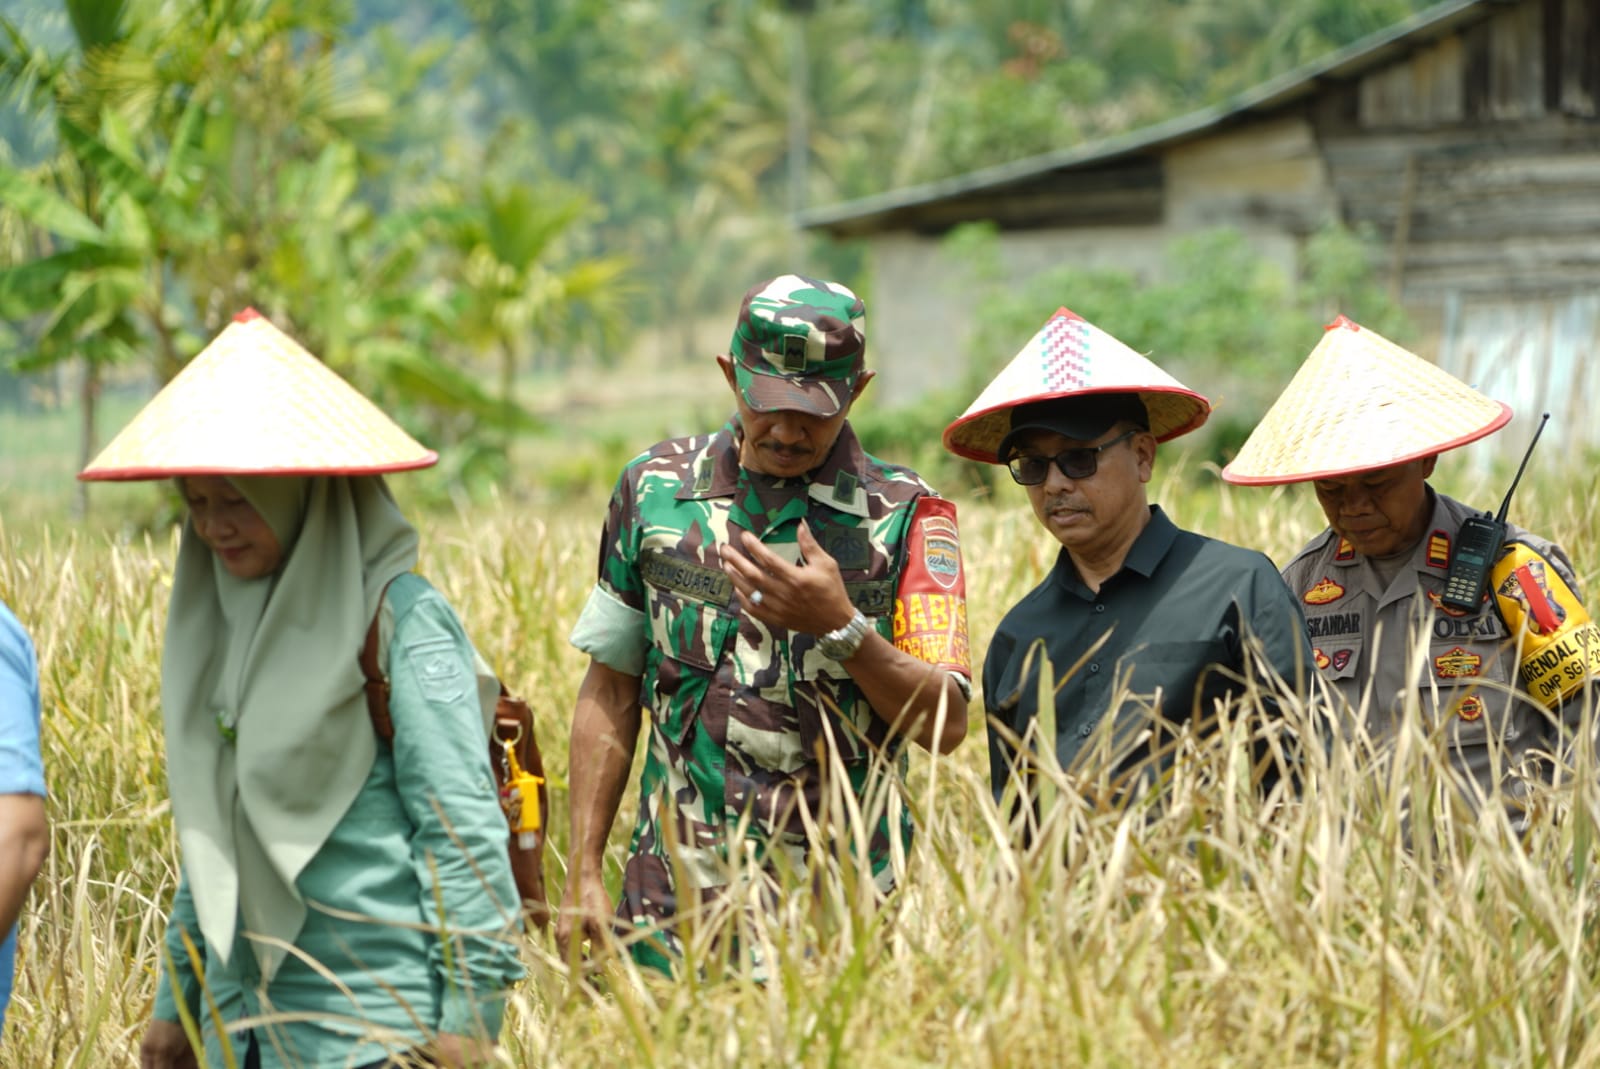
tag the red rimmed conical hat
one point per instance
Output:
(254, 402)
(1361, 402)
(1071, 357)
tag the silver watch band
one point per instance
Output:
(842, 643)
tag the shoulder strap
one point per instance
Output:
(377, 685)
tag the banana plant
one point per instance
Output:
(526, 294)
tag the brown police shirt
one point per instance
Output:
(1380, 645)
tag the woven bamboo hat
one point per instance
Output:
(1361, 402)
(253, 402)
(1071, 357)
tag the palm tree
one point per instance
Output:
(846, 126)
(526, 294)
(207, 158)
(85, 212)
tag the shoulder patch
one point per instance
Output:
(941, 548)
(1438, 550)
(1527, 584)
(440, 668)
(930, 608)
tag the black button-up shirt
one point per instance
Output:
(1166, 634)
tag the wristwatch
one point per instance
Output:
(842, 644)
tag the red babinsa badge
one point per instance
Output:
(930, 606)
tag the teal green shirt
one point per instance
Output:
(411, 904)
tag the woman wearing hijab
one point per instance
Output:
(343, 901)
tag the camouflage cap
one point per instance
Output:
(798, 345)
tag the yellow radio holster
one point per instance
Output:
(1559, 644)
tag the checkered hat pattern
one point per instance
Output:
(1361, 402)
(1071, 357)
(254, 402)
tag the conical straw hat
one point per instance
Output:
(1361, 402)
(1071, 357)
(255, 403)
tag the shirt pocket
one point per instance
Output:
(1466, 688)
(1167, 675)
(830, 713)
(673, 691)
(687, 637)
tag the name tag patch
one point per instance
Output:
(1339, 623)
(679, 576)
(1480, 626)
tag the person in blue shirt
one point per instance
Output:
(24, 828)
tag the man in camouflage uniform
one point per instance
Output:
(781, 605)
(1364, 421)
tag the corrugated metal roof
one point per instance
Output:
(1349, 62)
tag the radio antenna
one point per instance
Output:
(1505, 506)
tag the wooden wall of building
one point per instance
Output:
(1476, 161)
(1473, 156)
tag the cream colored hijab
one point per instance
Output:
(274, 659)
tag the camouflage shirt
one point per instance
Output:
(739, 713)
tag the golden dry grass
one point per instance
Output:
(1206, 934)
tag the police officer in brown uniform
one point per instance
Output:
(1364, 420)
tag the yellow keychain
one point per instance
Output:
(520, 797)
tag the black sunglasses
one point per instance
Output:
(1077, 463)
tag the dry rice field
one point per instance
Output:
(1210, 934)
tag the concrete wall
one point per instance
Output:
(1265, 179)
(920, 317)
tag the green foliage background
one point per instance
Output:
(444, 198)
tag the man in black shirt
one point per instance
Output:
(1144, 628)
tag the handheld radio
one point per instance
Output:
(1478, 544)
